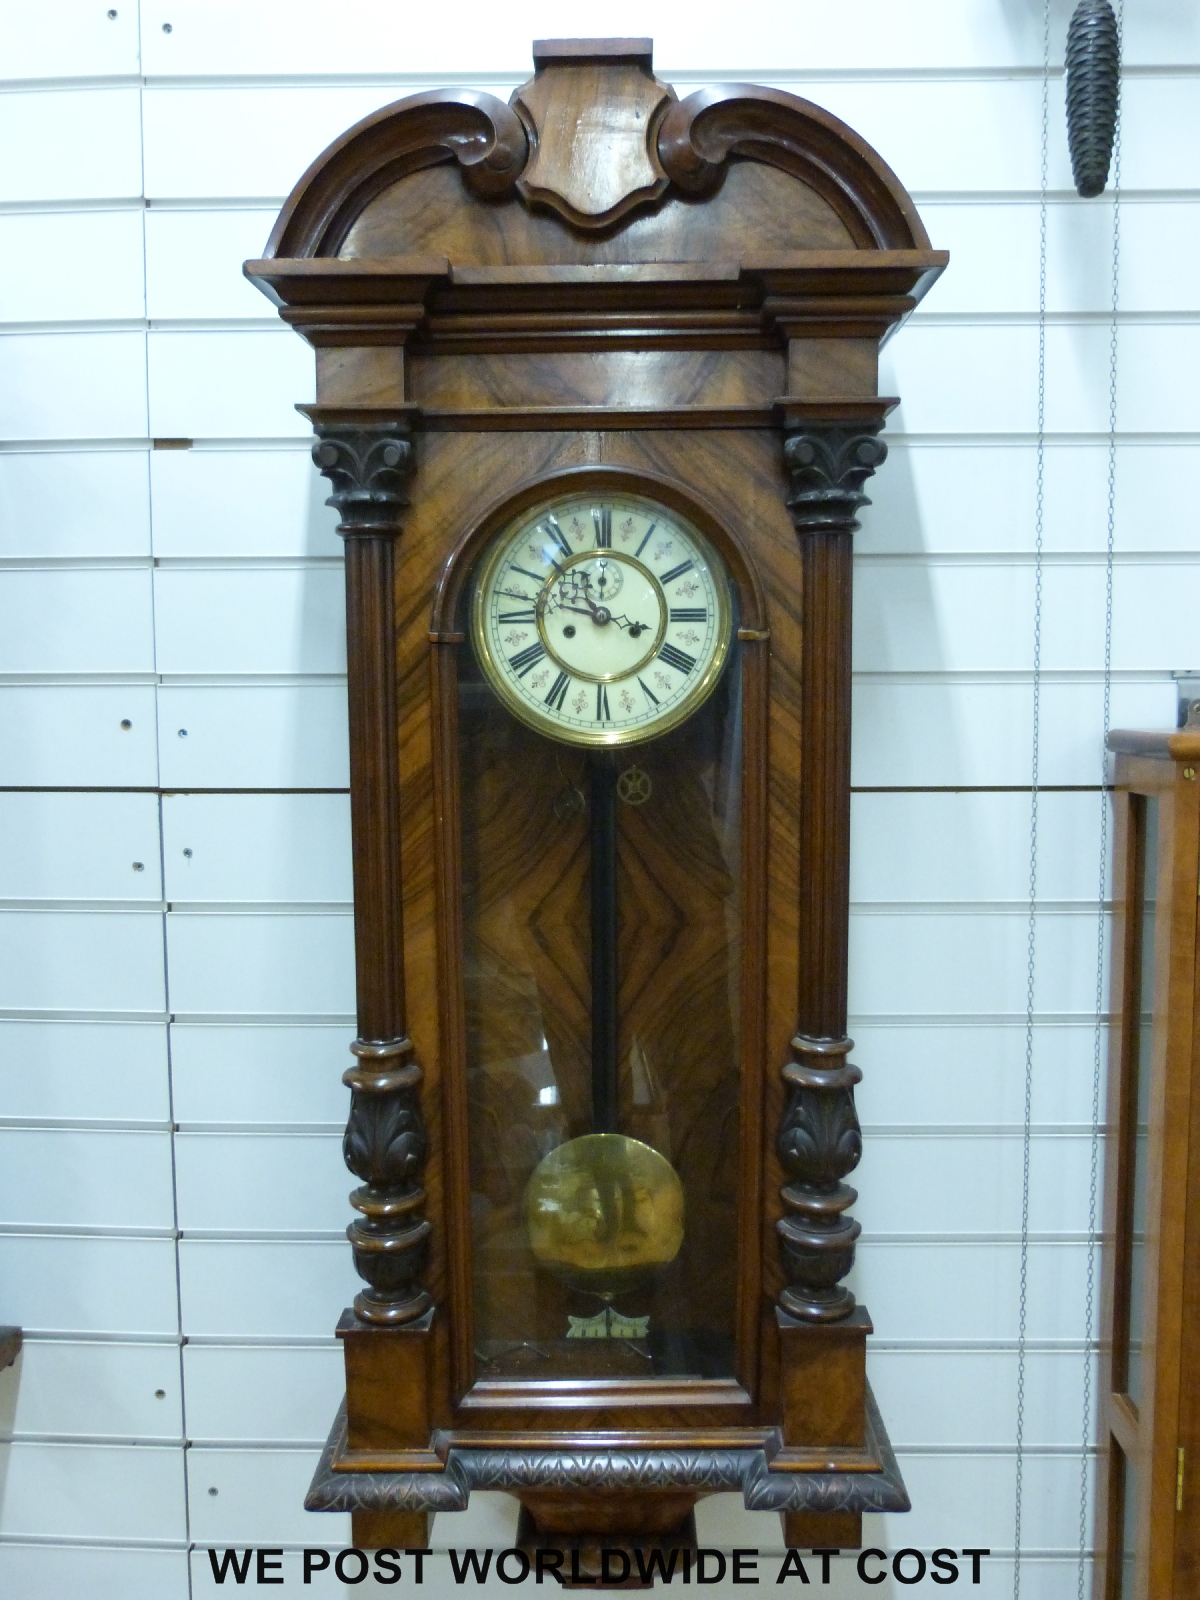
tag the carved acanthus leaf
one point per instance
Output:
(369, 467)
(828, 467)
(819, 1139)
(384, 1142)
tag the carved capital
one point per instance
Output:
(384, 1145)
(828, 467)
(819, 1142)
(369, 467)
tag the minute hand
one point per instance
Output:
(622, 621)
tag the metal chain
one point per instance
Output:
(1101, 908)
(1039, 519)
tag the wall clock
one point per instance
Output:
(597, 396)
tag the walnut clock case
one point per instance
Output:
(597, 396)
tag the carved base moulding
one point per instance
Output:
(597, 396)
(643, 1494)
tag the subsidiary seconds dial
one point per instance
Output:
(602, 619)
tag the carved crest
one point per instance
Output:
(594, 155)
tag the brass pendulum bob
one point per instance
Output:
(604, 1211)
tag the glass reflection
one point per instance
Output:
(525, 820)
(1127, 1476)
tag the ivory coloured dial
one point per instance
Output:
(602, 619)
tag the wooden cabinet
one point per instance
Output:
(1148, 1498)
(604, 310)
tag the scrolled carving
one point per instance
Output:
(470, 126)
(699, 135)
(369, 467)
(828, 467)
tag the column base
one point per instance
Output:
(823, 1382)
(388, 1373)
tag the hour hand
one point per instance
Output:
(635, 628)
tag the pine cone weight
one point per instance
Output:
(1093, 84)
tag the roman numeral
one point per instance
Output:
(519, 616)
(558, 692)
(527, 658)
(552, 528)
(602, 704)
(602, 521)
(676, 572)
(646, 540)
(679, 659)
(525, 573)
(649, 693)
(683, 614)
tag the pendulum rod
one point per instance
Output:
(604, 941)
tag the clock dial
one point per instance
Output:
(602, 619)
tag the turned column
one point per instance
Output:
(369, 466)
(819, 1139)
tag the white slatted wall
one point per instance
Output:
(175, 935)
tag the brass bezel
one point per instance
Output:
(607, 677)
(691, 700)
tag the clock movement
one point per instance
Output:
(597, 396)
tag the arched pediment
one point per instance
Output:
(475, 131)
(702, 135)
(596, 210)
(596, 160)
